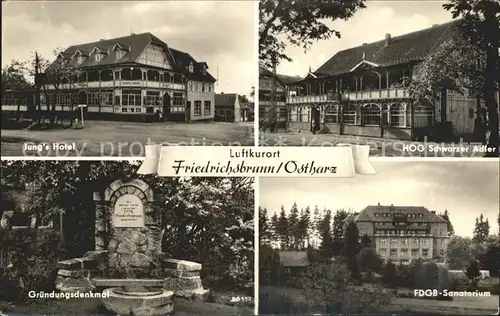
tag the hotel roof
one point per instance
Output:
(387, 213)
(134, 45)
(411, 47)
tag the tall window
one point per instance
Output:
(197, 108)
(152, 98)
(207, 108)
(350, 115)
(331, 114)
(191, 68)
(131, 98)
(106, 98)
(178, 102)
(190, 86)
(293, 115)
(371, 114)
(209, 87)
(304, 115)
(202, 87)
(397, 115)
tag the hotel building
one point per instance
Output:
(363, 91)
(130, 78)
(272, 97)
(403, 233)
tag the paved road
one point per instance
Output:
(102, 138)
(378, 147)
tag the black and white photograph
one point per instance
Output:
(409, 78)
(101, 78)
(418, 238)
(96, 238)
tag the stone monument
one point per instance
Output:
(127, 261)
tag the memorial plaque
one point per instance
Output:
(129, 211)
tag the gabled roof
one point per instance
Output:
(135, 44)
(294, 258)
(183, 60)
(225, 99)
(411, 47)
(283, 79)
(376, 213)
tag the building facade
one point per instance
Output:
(273, 97)
(136, 77)
(403, 233)
(230, 108)
(363, 91)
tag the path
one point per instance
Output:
(102, 138)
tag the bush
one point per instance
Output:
(329, 287)
(278, 303)
(30, 259)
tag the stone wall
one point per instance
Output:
(131, 232)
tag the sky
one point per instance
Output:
(218, 32)
(466, 189)
(366, 26)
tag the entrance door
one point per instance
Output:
(316, 119)
(166, 106)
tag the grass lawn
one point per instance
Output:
(378, 146)
(103, 138)
(182, 307)
(458, 306)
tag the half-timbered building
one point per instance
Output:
(135, 77)
(363, 91)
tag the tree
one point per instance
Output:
(480, 27)
(459, 253)
(14, 78)
(282, 230)
(302, 229)
(293, 222)
(300, 23)
(369, 261)
(325, 248)
(351, 248)
(472, 272)
(446, 217)
(389, 274)
(366, 241)
(327, 286)
(481, 230)
(338, 230)
(59, 76)
(265, 233)
(489, 252)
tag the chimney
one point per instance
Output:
(102, 39)
(433, 212)
(434, 25)
(387, 39)
(378, 204)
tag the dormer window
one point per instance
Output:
(79, 59)
(120, 54)
(98, 57)
(191, 69)
(204, 69)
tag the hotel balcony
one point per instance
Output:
(391, 93)
(122, 84)
(271, 103)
